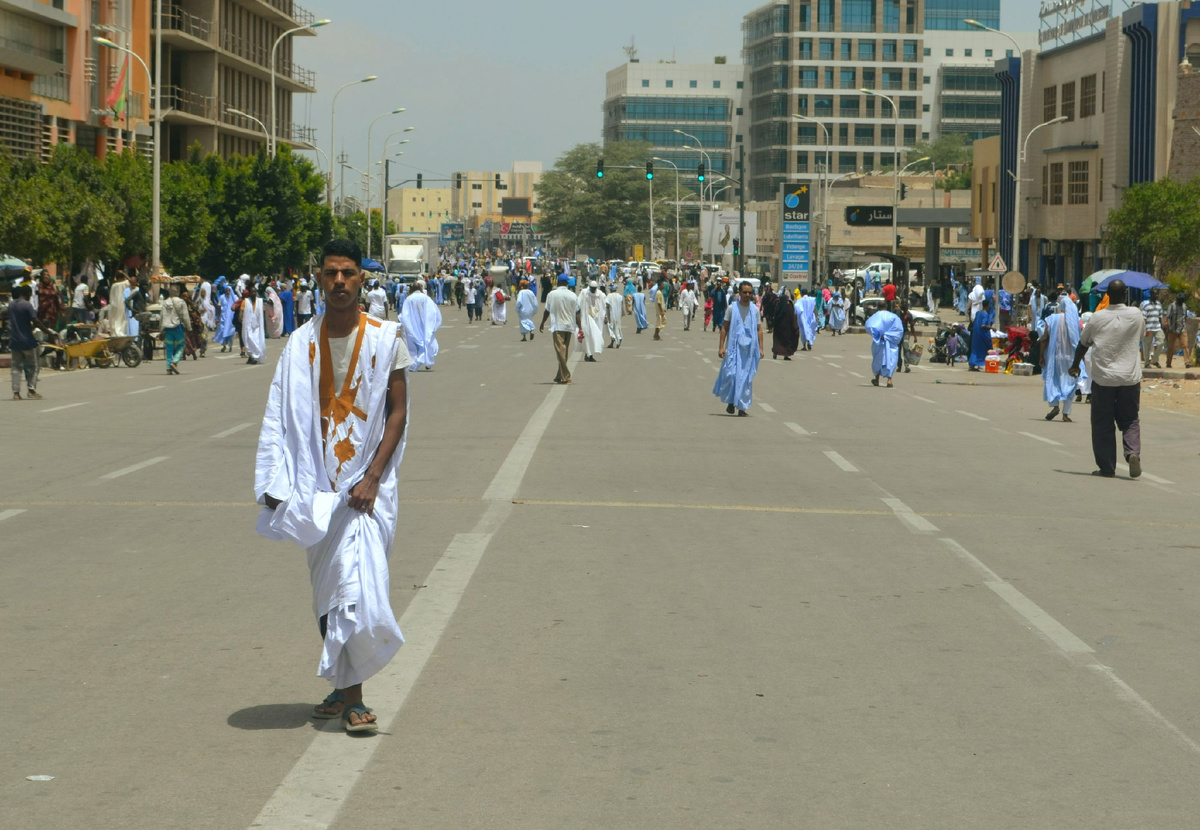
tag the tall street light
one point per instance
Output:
(383, 180)
(823, 173)
(370, 127)
(895, 165)
(699, 148)
(232, 111)
(272, 140)
(678, 255)
(153, 80)
(1014, 264)
(1017, 207)
(333, 127)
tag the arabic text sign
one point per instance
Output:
(869, 216)
(1072, 16)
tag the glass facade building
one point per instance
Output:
(950, 14)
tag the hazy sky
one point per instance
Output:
(486, 84)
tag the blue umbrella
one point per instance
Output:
(1133, 279)
(372, 265)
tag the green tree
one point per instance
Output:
(951, 155)
(611, 213)
(187, 218)
(129, 182)
(81, 213)
(354, 226)
(1157, 227)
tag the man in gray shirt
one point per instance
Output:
(1114, 335)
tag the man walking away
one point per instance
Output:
(660, 307)
(1113, 334)
(22, 320)
(887, 333)
(1152, 311)
(687, 301)
(562, 309)
(1177, 317)
(421, 319)
(1058, 352)
(175, 321)
(328, 480)
(616, 307)
(591, 319)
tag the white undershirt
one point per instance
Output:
(342, 348)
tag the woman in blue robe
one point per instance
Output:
(887, 333)
(981, 337)
(1059, 341)
(740, 351)
(289, 310)
(639, 311)
(225, 328)
(837, 313)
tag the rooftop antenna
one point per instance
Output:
(631, 50)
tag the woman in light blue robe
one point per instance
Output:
(887, 333)
(1058, 353)
(639, 311)
(981, 337)
(806, 315)
(837, 313)
(741, 339)
(131, 322)
(225, 330)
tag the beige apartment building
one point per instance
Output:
(419, 210)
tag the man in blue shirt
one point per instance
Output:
(22, 320)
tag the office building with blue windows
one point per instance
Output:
(1128, 97)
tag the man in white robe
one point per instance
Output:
(254, 333)
(591, 311)
(421, 319)
(203, 299)
(499, 306)
(377, 302)
(687, 301)
(616, 307)
(976, 297)
(327, 479)
(117, 321)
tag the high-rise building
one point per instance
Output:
(489, 201)
(419, 210)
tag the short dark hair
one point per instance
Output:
(343, 247)
(744, 284)
(23, 291)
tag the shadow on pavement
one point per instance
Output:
(272, 716)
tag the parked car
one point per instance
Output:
(870, 305)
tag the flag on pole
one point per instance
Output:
(116, 97)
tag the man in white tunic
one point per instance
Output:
(616, 307)
(592, 308)
(421, 319)
(377, 301)
(687, 301)
(976, 297)
(327, 479)
(117, 320)
(203, 300)
(254, 333)
(499, 306)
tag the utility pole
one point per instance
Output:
(741, 257)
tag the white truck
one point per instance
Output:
(410, 256)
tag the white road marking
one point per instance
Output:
(1039, 438)
(834, 365)
(468, 345)
(1145, 475)
(923, 368)
(202, 377)
(799, 430)
(312, 793)
(147, 389)
(841, 462)
(926, 400)
(917, 524)
(706, 360)
(856, 374)
(699, 352)
(1125, 691)
(971, 415)
(864, 357)
(228, 357)
(133, 469)
(232, 430)
(8, 514)
(767, 407)
(61, 408)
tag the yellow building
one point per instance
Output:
(423, 210)
(985, 198)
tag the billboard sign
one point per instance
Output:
(796, 222)
(869, 216)
(452, 232)
(718, 229)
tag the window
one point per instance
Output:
(801, 162)
(808, 78)
(889, 50)
(806, 134)
(847, 79)
(476, 204)
(1067, 107)
(738, 111)
(805, 50)
(829, 79)
(1056, 183)
(987, 53)
(949, 53)
(1049, 103)
(924, 107)
(716, 84)
(928, 52)
(691, 84)
(670, 84)
(740, 84)
(1087, 96)
(846, 53)
(893, 79)
(825, 46)
(866, 50)
(967, 52)
(887, 136)
(1008, 53)
(858, 15)
(737, 139)
(849, 106)
(925, 79)
(1100, 183)
(868, 78)
(910, 135)
(645, 82)
(1045, 185)
(847, 163)
(477, 186)
(1077, 183)
(910, 51)
(864, 135)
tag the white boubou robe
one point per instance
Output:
(315, 445)
(254, 334)
(616, 306)
(591, 317)
(421, 319)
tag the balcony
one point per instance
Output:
(261, 57)
(290, 11)
(189, 103)
(864, 141)
(822, 111)
(19, 54)
(176, 19)
(893, 84)
(56, 87)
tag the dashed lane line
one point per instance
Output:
(837, 459)
(924, 400)
(917, 524)
(61, 408)
(1040, 438)
(141, 465)
(8, 514)
(147, 389)
(1146, 475)
(799, 430)
(767, 407)
(971, 415)
(232, 430)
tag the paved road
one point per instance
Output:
(859, 608)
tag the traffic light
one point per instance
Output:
(458, 181)
(700, 172)
(903, 191)
(897, 242)
(600, 169)
(737, 247)
(497, 181)
(419, 182)
(649, 171)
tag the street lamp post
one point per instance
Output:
(1017, 194)
(267, 134)
(699, 148)
(678, 255)
(333, 128)
(272, 140)
(383, 181)
(895, 165)
(370, 127)
(823, 174)
(154, 81)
